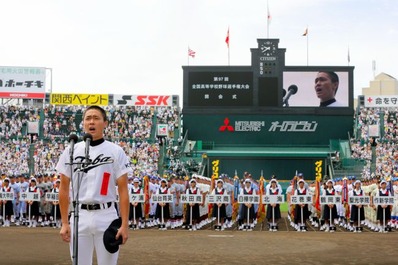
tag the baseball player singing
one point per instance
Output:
(108, 168)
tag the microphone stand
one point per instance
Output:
(76, 203)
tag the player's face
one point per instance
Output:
(324, 88)
(94, 123)
(219, 184)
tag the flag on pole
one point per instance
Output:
(268, 15)
(227, 38)
(305, 32)
(191, 53)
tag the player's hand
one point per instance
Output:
(122, 232)
(65, 232)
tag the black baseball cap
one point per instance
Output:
(110, 242)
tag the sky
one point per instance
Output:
(140, 46)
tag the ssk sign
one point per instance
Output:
(142, 100)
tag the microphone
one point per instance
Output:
(87, 138)
(72, 140)
(283, 92)
(290, 91)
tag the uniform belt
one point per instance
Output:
(98, 206)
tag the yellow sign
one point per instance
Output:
(79, 99)
(318, 170)
(215, 166)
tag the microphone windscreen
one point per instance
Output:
(87, 136)
(293, 88)
(73, 137)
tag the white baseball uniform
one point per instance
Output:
(98, 181)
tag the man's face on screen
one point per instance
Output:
(325, 89)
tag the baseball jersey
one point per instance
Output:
(24, 186)
(16, 189)
(98, 178)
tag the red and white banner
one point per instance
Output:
(22, 82)
(384, 101)
(143, 100)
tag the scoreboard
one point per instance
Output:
(264, 87)
(220, 89)
(265, 103)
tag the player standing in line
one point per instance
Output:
(15, 203)
(24, 185)
(108, 168)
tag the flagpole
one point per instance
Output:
(228, 57)
(307, 44)
(227, 42)
(268, 18)
(188, 55)
(348, 56)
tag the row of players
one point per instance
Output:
(172, 214)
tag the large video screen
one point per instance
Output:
(317, 88)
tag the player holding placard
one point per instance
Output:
(7, 204)
(330, 210)
(219, 209)
(357, 210)
(383, 211)
(194, 207)
(273, 209)
(248, 213)
(163, 209)
(136, 207)
(301, 213)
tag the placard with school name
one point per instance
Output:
(137, 198)
(218, 198)
(164, 198)
(362, 200)
(191, 198)
(383, 200)
(29, 196)
(254, 199)
(301, 199)
(52, 196)
(330, 199)
(6, 196)
(271, 199)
